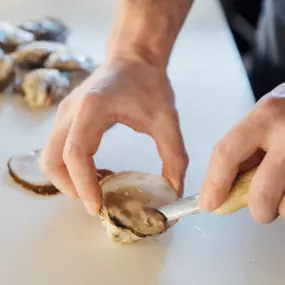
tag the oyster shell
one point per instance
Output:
(34, 54)
(43, 87)
(126, 195)
(11, 37)
(7, 72)
(69, 62)
(25, 171)
(46, 28)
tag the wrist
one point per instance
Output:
(146, 30)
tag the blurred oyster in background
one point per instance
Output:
(11, 37)
(46, 28)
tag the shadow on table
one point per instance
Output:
(62, 244)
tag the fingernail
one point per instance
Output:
(91, 207)
(206, 203)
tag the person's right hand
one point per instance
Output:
(257, 140)
(131, 92)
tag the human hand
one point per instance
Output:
(131, 92)
(258, 139)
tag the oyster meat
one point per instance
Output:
(130, 199)
(69, 62)
(7, 72)
(42, 87)
(34, 54)
(11, 37)
(46, 28)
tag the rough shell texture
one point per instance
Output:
(46, 28)
(11, 37)
(42, 87)
(34, 54)
(156, 187)
(68, 61)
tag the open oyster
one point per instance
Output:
(129, 201)
(25, 170)
(34, 54)
(43, 87)
(11, 37)
(7, 72)
(69, 62)
(46, 28)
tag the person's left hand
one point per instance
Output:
(258, 138)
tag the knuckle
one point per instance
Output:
(221, 150)
(272, 109)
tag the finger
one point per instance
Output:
(238, 145)
(52, 162)
(267, 187)
(168, 137)
(82, 142)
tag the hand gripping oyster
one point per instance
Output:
(7, 72)
(129, 201)
(11, 37)
(46, 28)
(25, 171)
(43, 87)
(34, 54)
(69, 62)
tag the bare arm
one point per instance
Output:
(148, 29)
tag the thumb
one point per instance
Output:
(168, 138)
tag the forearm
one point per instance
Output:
(147, 29)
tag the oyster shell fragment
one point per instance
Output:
(129, 202)
(25, 170)
(46, 28)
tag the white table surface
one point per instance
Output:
(53, 240)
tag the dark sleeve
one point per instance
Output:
(268, 66)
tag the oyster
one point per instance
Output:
(46, 28)
(11, 37)
(25, 171)
(129, 201)
(42, 87)
(34, 54)
(69, 62)
(7, 72)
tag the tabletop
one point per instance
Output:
(52, 240)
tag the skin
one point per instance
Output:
(132, 88)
